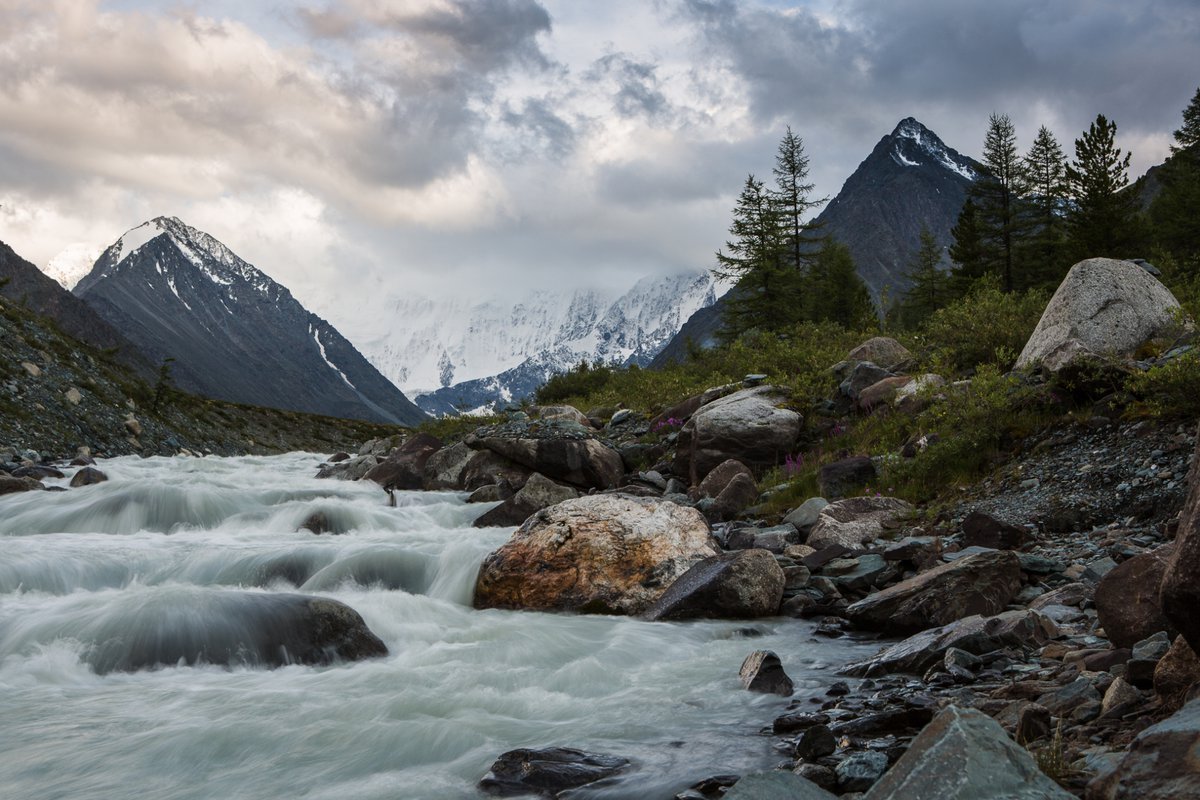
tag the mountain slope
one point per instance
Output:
(456, 355)
(234, 333)
(27, 285)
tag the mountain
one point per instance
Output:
(912, 179)
(452, 355)
(234, 333)
(27, 285)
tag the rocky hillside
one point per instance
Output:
(58, 394)
(234, 333)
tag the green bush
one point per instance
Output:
(1170, 390)
(582, 380)
(987, 326)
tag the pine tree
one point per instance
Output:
(1046, 171)
(838, 292)
(1176, 211)
(767, 291)
(1103, 220)
(929, 289)
(966, 251)
(791, 197)
(998, 195)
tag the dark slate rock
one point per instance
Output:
(984, 530)
(763, 672)
(860, 771)
(742, 584)
(88, 476)
(776, 785)
(548, 771)
(815, 742)
(1161, 763)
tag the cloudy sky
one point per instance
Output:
(351, 148)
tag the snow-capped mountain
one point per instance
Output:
(455, 355)
(233, 332)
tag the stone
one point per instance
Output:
(403, 468)
(583, 462)
(73, 396)
(486, 468)
(965, 755)
(11, 485)
(748, 425)
(568, 413)
(1127, 598)
(860, 771)
(1119, 698)
(817, 773)
(984, 530)
(804, 516)
(606, 553)
(338, 457)
(867, 571)
(982, 584)
(444, 468)
(882, 393)
(548, 771)
(857, 520)
(883, 723)
(1152, 648)
(975, 635)
(33, 369)
(742, 584)
(862, 375)
(1104, 307)
(776, 539)
(273, 630)
(798, 721)
(1176, 673)
(1181, 579)
(495, 493)
(839, 478)
(316, 522)
(88, 476)
(776, 785)
(882, 350)
(538, 492)
(1033, 722)
(739, 494)
(1062, 701)
(132, 425)
(1162, 763)
(720, 476)
(814, 742)
(763, 672)
(352, 469)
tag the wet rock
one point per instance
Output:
(860, 771)
(982, 584)
(88, 476)
(776, 785)
(444, 468)
(763, 672)
(349, 470)
(882, 723)
(37, 472)
(1161, 763)
(840, 478)
(11, 485)
(965, 755)
(538, 492)
(1181, 580)
(337, 458)
(1127, 598)
(799, 721)
(562, 451)
(1103, 307)
(748, 425)
(486, 468)
(316, 522)
(738, 585)
(403, 468)
(857, 520)
(814, 742)
(973, 634)
(804, 516)
(493, 493)
(602, 553)
(984, 530)
(712, 788)
(548, 771)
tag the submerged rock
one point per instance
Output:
(609, 553)
(548, 771)
(11, 485)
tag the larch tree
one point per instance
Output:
(999, 195)
(929, 287)
(792, 197)
(1103, 218)
(966, 250)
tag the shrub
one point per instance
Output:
(581, 380)
(987, 326)
(1170, 390)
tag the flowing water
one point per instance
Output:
(89, 572)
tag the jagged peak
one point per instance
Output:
(928, 143)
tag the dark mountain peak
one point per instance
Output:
(911, 144)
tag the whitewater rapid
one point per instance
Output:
(85, 572)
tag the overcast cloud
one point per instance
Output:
(355, 147)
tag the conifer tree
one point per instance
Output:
(1176, 211)
(998, 195)
(966, 251)
(1103, 219)
(1046, 171)
(839, 294)
(929, 285)
(792, 199)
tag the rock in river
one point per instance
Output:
(548, 771)
(739, 584)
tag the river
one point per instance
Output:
(87, 570)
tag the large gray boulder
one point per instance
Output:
(604, 553)
(982, 584)
(740, 584)
(403, 468)
(965, 755)
(857, 520)
(444, 469)
(749, 426)
(881, 350)
(1127, 598)
(1161, 764)
(1104, 307)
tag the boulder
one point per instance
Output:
(881, 393)
(1181, 581)
(720, 476)
(965, 755)
(861, 770)
(1160, 764)
(606, 553)
(1176, 673)
(982, 584)
(1127, 598)
(1103, 308)
(548, 771)
(776, 785)
(351, 469)
(233, 628)
(863, 375)
(403, 468)
(984, 530)
(562, 451)
(804, 516)
(538, 492)
(763, 672)
(486, 468)
(88, 476)
(444, 468)
(564, 414)
(748, 425)
(857, 520)
(11, 485)
(742, 584)
(738, 495)
(976, 635)
(317, 522)
(840, 478)
(882, 350)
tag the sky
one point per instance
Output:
(353, 149)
